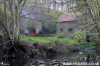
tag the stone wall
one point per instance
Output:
(67, 28)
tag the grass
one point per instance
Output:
(69, 41)
(91, 44)
(47, 39)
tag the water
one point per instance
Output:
(55, 60)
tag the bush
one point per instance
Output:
(41, 32)
(60, 36)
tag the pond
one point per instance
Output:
(86, 58)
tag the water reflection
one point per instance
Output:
(55, 60)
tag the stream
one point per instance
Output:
(86, 57)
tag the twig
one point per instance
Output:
(5, 42)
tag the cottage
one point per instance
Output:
(30, 21)
(68, 24)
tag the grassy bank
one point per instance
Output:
(47, 39)
(69, 43)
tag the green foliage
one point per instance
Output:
(53, 13)
(52, 27)
(60, 36)
(63, 44)
(91, 44)
(7, 10)
(91, 10)
(62, 48)
(30, 25)
(79, 36)
(50, 23)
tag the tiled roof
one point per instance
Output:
(68, 16)
(30, 13)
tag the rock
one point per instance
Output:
(46, 59)
(4, 64)
(58, 65)
(41, 62)
(52, 50)
(98, 60)
(74, 50)
(65, 61)
(32, 64)
(98, 57)
(79, 58)
(84, 58)
(88, 49)
(42, 65)
(80, 52)
(55, 61)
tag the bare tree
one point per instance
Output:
(11, 18)
(91, 12)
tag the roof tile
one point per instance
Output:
(68, 16)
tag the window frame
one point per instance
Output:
(70, 29)
(61, 29)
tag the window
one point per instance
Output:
(61, 29)
(82, 29)
(37, 22)
(70, 29)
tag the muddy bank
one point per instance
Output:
(5, 45)
(25, 49)
(38, 49)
